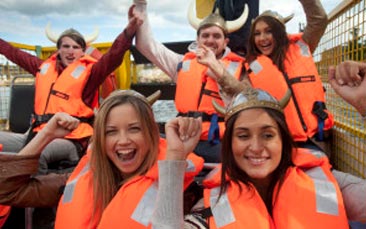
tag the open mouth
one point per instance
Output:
(126, 155)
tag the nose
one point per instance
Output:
(256, 145)
(123, 138)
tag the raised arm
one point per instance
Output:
(316, 20)
(18, 185)
(182, 136)
(157, 53)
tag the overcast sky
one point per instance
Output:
(24, 21)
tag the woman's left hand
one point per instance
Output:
(182, 134)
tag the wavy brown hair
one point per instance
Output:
(280, 38)
(107, 178)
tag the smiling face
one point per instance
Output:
(69, 51)
(256, 144)
(126, 145)
(263, 38)
(214, 38)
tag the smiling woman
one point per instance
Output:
(258, 185)
(118, 175)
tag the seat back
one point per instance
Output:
(21, 103)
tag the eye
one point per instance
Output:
(243, 135)
(135, 129)
(217, 36)
(268, 135)
(110, 132)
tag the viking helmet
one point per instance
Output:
(251, 98)
(149, 100)
(216, 19)
(70, 32)
(275, 15)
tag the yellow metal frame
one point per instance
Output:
(345, 39)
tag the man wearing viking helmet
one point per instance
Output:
(67, 81)
(196, 84)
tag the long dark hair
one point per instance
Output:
(237, 175)
(281, 40)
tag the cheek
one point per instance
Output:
(109, 142)
(238, 147)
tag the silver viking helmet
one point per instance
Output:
(216, 19)
(252, 98)
(275, 15)
(55, 38)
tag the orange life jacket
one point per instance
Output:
(4, 213)
(309, 198)
(132, 206)
(56, 93)
(195, 90)
(305, 85)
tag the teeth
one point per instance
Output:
(126, 155)
(257, 160)
(125, 151)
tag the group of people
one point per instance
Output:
(268, 140)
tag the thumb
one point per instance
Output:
(331, 78)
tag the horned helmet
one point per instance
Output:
(275, 15)
(150, 100)
(216, 19)
(84, 40)
(250, 98)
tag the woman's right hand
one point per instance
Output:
(60, 125)
(182, 134)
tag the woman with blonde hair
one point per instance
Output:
(117, 180)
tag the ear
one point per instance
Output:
(227, 41)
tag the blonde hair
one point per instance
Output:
(107, 179)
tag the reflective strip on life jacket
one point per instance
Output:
(89, 50)
(325, 192)
(221, 211)
(317, 153)
(70, 186)
(304, 49)
(190, 167)
(145, 207)
(233, 67)
(186, 65)
(78, 71)
(255, 66)
(44, 68)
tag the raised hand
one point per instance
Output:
(182, 134)
(207, 57)
(134, 21)
(350, 73)
(60, 125)
(353, 94)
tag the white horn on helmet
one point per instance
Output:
(228, 26)
(54, 37)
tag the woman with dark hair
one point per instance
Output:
(258, 184)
